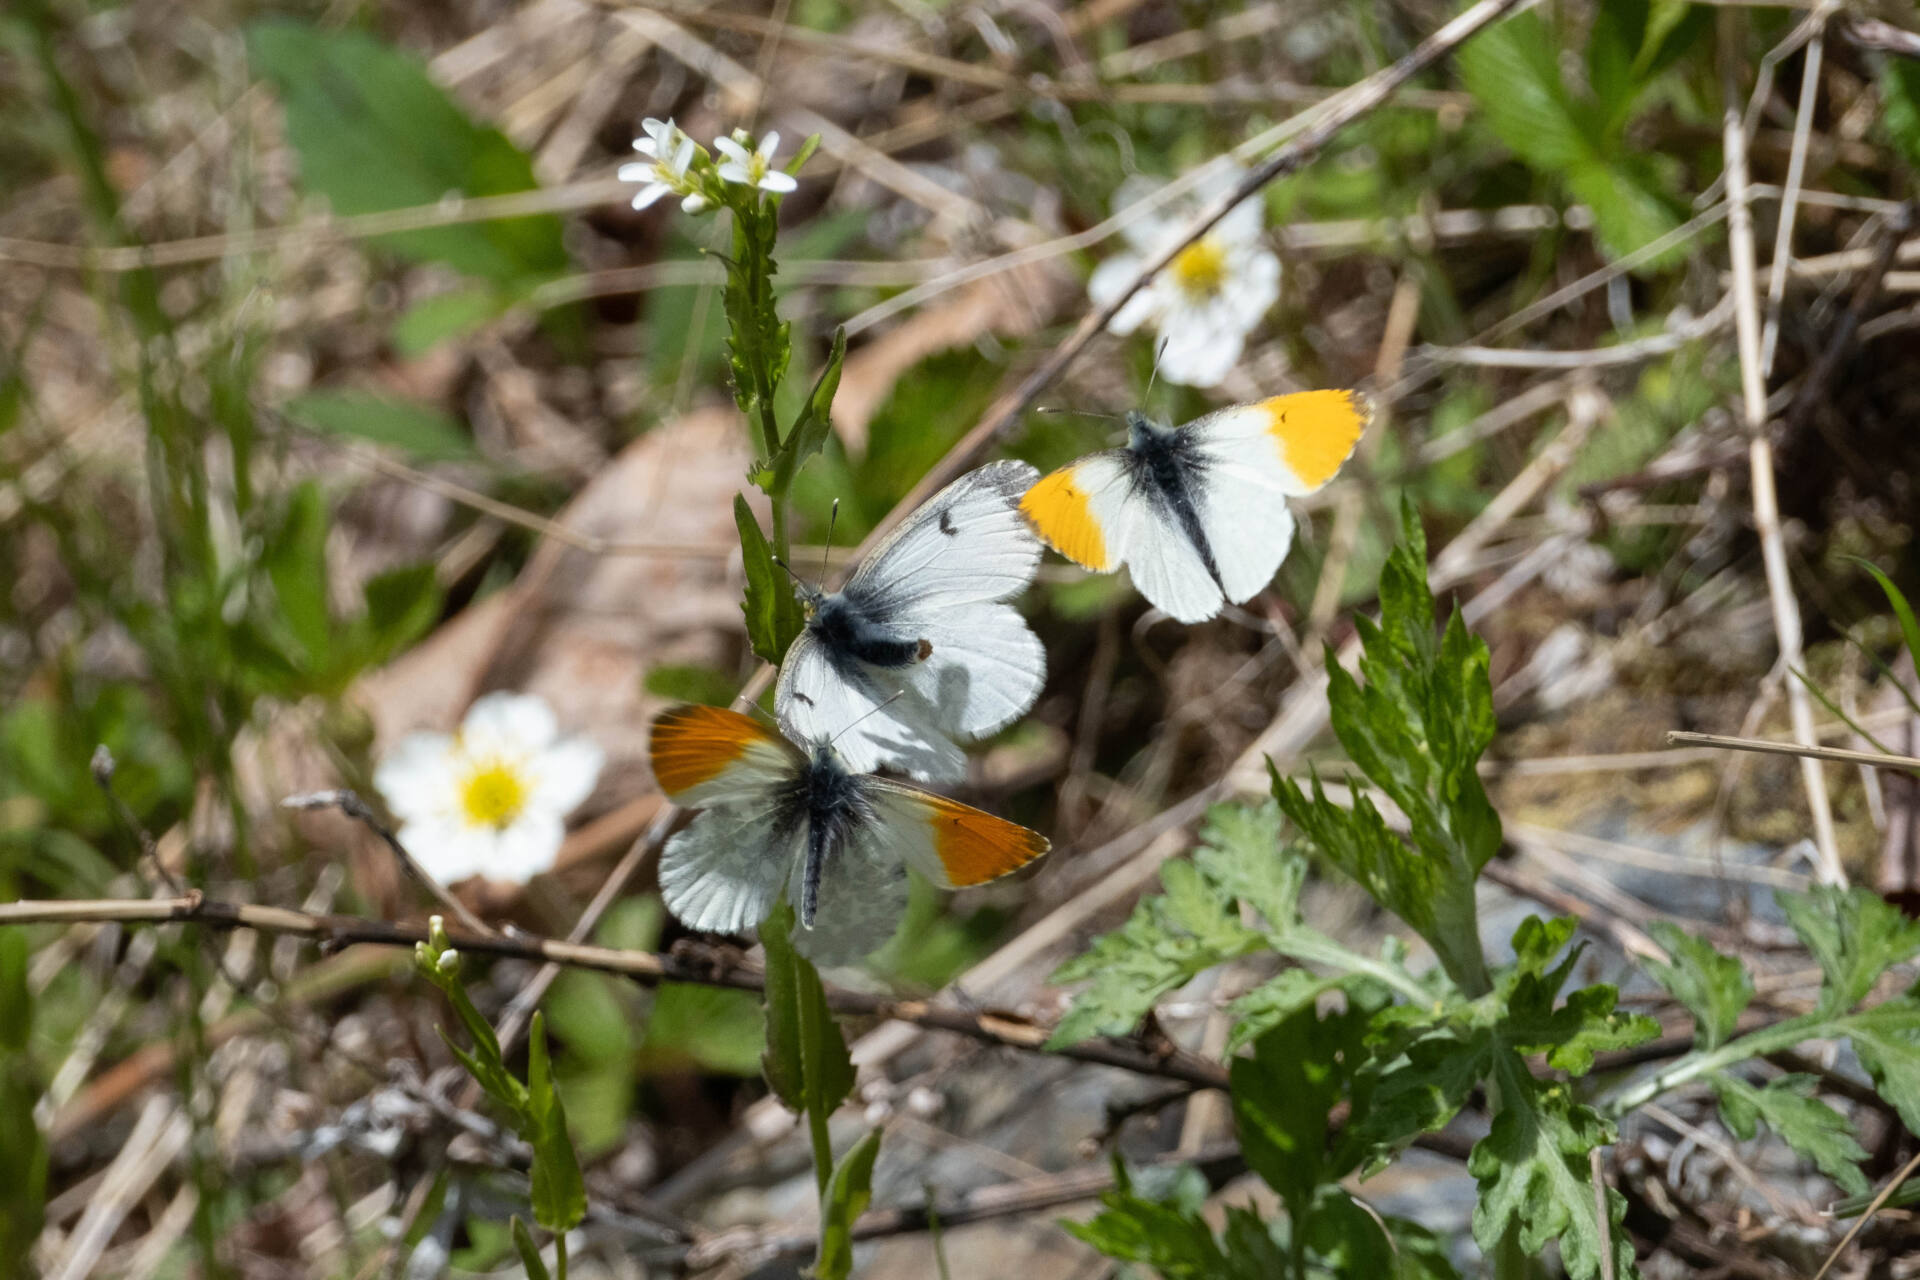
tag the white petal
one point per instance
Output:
(417, 776)
(508, 724)
(769, 144)
(1106, 284)
(776, 181)
(648, 194)
(447, 851)
(564, 774)
(682, 155)
(526, 848)
(634, 172)
(1198, 354)
(1253, 286)
(1244, 225)
(695, 203)
(732, 172)
(731, 150)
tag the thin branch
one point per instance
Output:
(1764, 746)
(1766, 503)
(350, 803)
(709, 966)
(1860, 1224)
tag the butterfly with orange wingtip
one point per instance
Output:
(839, 842)
(1198, 513)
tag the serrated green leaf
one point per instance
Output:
(1533, 1175)
(1715, 988)
(1788, 1107)
(529, 1251)
(1240, 851)
(1170, 1236)
(774, 617)
(559, 1194)
(848, 1193)
(1273, 1002)
(1416, 1091)
(415, 429)
(806, 1061)
(1854, 934)
(1887, 1040)
(373, 133)
(1283, 1099)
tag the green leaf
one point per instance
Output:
(1887, 1040)
(1533, 1175)
(1613, 50)
(295, 558)
(431, 321)
(373, 133)
(1896, 600)
(1274, 1001)
(23, 1195)
(703, 1028)
(808, 434)
(402, 606)
(758, 343)
(1283, 1099)
(559, 1195)
(529, 1251)
(848, 1193)
(1854, 934)
(1417, 1091)
(774, 617)
(1802, 1121)
(1900, 105)
(1169, 1235)
(1716, 989)
(424, 433)
(1586, 1023)
(806, 1061)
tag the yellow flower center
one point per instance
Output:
(493, 796)
(1201, 269)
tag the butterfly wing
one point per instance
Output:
(1254, 457)
(965, 544)
(722, 873)
(1087, 510)
(951, 844)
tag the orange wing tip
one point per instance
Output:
(691, 745)
(976, 847)
(1317, 431)
(1061, 511)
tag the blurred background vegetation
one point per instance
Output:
(313, 317)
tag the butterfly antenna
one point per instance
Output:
(1084, 413)
(1159, 349)
(826, 552)
(872, 711)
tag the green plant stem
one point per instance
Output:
(822, 1139)
(559, 1255)
(1702, 1062)
(1319, 949)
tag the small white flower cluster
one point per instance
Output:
(679, 166)
(1207, 300)
(492, 799)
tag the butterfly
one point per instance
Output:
(838, 841)
(1198, 513)
(920, 648)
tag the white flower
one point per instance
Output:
(666, 174)
(492, 799)
(752, 168)
(1206, 301)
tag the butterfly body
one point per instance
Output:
(920, 650)
(838, 841)
(1198, 512)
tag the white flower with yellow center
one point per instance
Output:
(752, 168)
(666, 173)
(1207, 300)
(492, 799)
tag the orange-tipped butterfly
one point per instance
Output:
(1198, 513)
(839, 842)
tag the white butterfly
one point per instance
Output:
(919, 648)
(838, 842)
(1198, 513)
